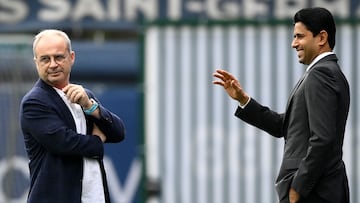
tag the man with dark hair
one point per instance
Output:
(313, 126)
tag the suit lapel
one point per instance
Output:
(295, 88)
(60, 104)
(301, 80)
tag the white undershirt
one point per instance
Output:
(92, 186)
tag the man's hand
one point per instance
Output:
(293, 196)
(231, 85)
(97, 132)
(77, 94)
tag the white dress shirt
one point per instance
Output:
(92, 185)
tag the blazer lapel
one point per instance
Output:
(294, 89)
(326, 58)
(60, 104)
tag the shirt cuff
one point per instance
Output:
(243, 106)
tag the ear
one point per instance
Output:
(72, 55)
(323, 37)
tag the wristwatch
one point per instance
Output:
(93, 107)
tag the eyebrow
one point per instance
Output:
(53, 55)
(299, 35)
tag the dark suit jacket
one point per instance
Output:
(54, 148)
(313, 128)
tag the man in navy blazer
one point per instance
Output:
(313, 125)
(64, 128)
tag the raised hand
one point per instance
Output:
(77, 94)
(231, 85)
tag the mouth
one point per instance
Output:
(55, 73)
(299, 52)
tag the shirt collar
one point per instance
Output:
(59, 91)
(320, 56)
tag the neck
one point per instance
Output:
(59, 85)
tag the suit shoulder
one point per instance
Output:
(327, 74)
(326, 68)
(36, 94)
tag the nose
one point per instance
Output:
(294, 43)
(53, 62)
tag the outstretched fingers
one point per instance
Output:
(225, 78)
(223, 75)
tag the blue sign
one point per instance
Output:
(22, 15)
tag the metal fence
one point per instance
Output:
(16, 71)
(196, 148)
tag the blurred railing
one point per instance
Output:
(16, 71)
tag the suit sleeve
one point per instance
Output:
(321, 103)
(111, 125)
(45, 125)
(261, 117)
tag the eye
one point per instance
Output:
(44, 59)
(59, 58)
(299, 36)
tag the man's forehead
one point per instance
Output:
(51, 42)
(300, 27)
(51, 38)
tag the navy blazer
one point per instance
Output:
(56, 150)
(313, 127)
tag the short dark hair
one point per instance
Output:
(317, 19)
